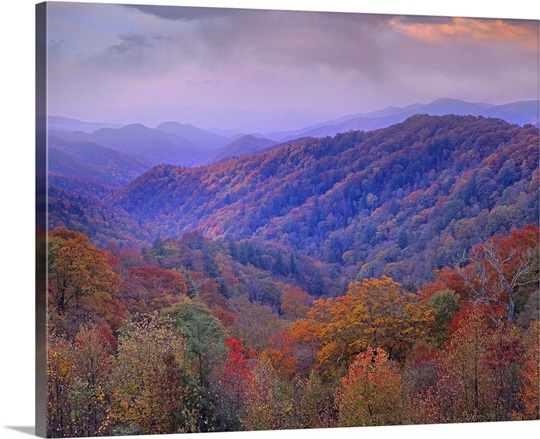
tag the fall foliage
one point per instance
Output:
(380, 278)
(371, 393)
(130, 352)
(375, 312)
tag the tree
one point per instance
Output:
(371, 393)
(444, 303)
(469, 387)
(60, 382)
(204, 334)
(504, 361)
(80, 277)
(375, 312)
(92, 387)
(254, 323)
(280, 353)
(470, 377)
(154, 390)
(233, 379)
(268, 400)
(148, 289)
(445, 279)
(208, 290)
(307, 345)
(529, 393)
(294, 302)
(499, 267)
(316, 408)
(205, 343)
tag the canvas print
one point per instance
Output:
(266, 220)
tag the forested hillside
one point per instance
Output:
(92, 162)
(373, 278)
(399, 201)
(241, 146)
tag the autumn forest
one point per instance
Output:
(384, 277)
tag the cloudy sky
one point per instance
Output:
(272, 70)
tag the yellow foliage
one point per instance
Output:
(374, 312)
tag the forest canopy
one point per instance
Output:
(372, 278)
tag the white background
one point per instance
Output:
(17, 207)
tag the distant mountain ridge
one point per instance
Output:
(247, 144)
(112, 156)
(187, 145)
(93, 162)
(195, 135)
(147, 144)
(58, 123)
(520, 113)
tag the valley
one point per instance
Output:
(293, 275)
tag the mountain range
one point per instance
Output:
(58, 123)
(151, 145)
(521, 113)
(400, 201)
(127, 151)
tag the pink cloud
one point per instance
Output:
(471, 30)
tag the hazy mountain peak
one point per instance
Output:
(246, 144)
(135, 126)
(194, 134)
(59, 123)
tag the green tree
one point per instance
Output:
(205, 343)
(204, 334)
(444, 303)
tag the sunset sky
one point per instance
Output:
(270, 70)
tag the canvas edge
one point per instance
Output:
(41, 219)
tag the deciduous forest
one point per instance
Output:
(388, 277)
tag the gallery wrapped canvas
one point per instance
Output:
(266, 220)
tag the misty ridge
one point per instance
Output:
(80, 143)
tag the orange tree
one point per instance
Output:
(147, 289)
(374, 312)
(82, 284)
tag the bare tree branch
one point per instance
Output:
(493, 274)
